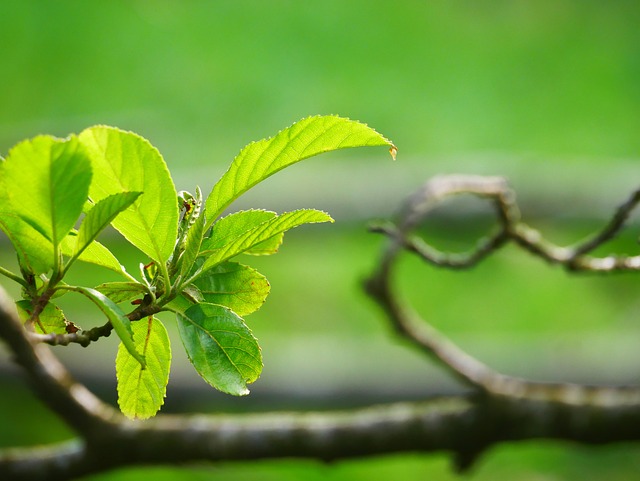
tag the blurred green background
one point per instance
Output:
(544, 92)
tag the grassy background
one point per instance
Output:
(546, 93)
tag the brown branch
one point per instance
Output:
(510, 228)
(498, 408)
(50, 380)
(491, 385)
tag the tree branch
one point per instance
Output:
(74, 403)
(497, 408)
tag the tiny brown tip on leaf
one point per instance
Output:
(393, 151)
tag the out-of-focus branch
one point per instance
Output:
(493, 388)
(510, 228)
(497, 409)
(74, 403)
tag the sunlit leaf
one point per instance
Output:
(50, 321)
(219, 248)
(233, 285)
(221, 347)
(141, 392)
(125, 162)
(45, 183)
(268, 247)
(304, 139)
(100, 216)
(232, 226)
(95, 253)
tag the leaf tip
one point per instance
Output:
(393, 150)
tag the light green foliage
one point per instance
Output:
(100, 216)
(118, 178)
(221, 347)
(304, 139)
(238, 223)
(217, 252)
(125, 162)
(238, 287)
(94, 253)
(50, 320)
(141, 392)
(45, 182)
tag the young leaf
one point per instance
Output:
(268, 247)
(38, 203)
(50, 320)
(221, 347)
(240, 288)
(192, 246)
(120, 322)
(47, 182)
(100, 216)
(218, 249)
(233, 225)
(304, 139)
(35, 252)
(125, 162)
(95, 253)
(122, 291)
(141, 392)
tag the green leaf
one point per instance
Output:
(95, 253)
(120, 322)
(268, 247)
(192, 246)
(240, 288)
(125, 162)
(35, 252)
(223, 244)
(221, 347)
(141, 392)
(180, 303)
(232, 226)
(50, 320)
(122, 291)
(100, 216)
(45, 183)
(304, 139)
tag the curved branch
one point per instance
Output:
(499, 408)
(511, 228)
(469, 370)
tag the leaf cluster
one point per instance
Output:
(58, 195)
